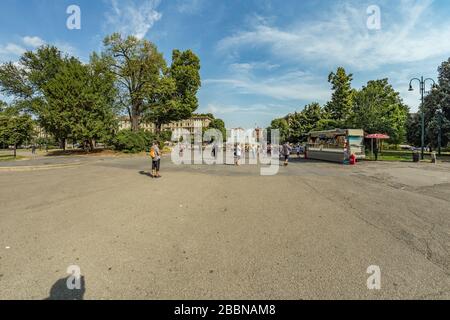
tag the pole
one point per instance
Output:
(440, 133)
(422, 82)
(422, 93)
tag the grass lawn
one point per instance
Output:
(8, 157)
(403, 156)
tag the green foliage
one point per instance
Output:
(15, 127)
(82, 97)
(282, 125)
(378, 108)
(173, 96)
(138, 66)
(340, 106)
(295, 127)
(27, 82)
(437, 109)
(219, 124)
(133, 141)
(413, 129)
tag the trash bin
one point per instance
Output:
(416, 157)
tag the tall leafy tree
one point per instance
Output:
(15, 127)
(413, 129)
(378, 108)
(339, 108)
(27, 83)
(84, 96)
(174, 96)
(436, 108)
(219, 124)
(283, 126)
(138, 66)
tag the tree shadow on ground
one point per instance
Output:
(60, 291)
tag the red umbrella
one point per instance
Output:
(377, 136)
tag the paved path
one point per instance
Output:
(218, 232)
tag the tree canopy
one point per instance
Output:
(339, 108)
(15, 127)
(138, 66)
(376, 108)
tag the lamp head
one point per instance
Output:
(410, 88)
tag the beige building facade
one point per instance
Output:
(191, 124)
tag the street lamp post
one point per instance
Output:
(422, 83)
(440, 131)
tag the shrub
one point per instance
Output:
(132, 142)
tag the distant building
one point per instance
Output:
(196, 122)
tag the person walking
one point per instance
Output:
(237, 154)
(286, 152)
(253, 150)
(155, 154)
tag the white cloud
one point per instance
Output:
(294, 85)
(222, 109)
(344, 38)
(12, 49)
(189, 6)
(33, 41)
(129, 18)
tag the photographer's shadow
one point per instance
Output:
(60, 290)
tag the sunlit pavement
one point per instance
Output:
(226, 232)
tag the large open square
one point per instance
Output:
(225, 232)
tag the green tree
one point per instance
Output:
(138, 66)
(283, 126)
(413, 129)
(173, 97)
(27, 83)
(437, 108)
(83, 97)
(219, 124)
(15, 127)
(378, 108)
(340, 106)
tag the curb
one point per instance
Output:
(43, 167)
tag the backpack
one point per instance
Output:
(152, 153)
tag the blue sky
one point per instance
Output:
(261, 59)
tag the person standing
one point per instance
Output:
(156, 159)
(286, 152)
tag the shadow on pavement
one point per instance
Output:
(148, 174)
(59, 291)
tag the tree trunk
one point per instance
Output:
(62, 144)
(15, 150)
(134, 123)
(91, 145)
(158, 128)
